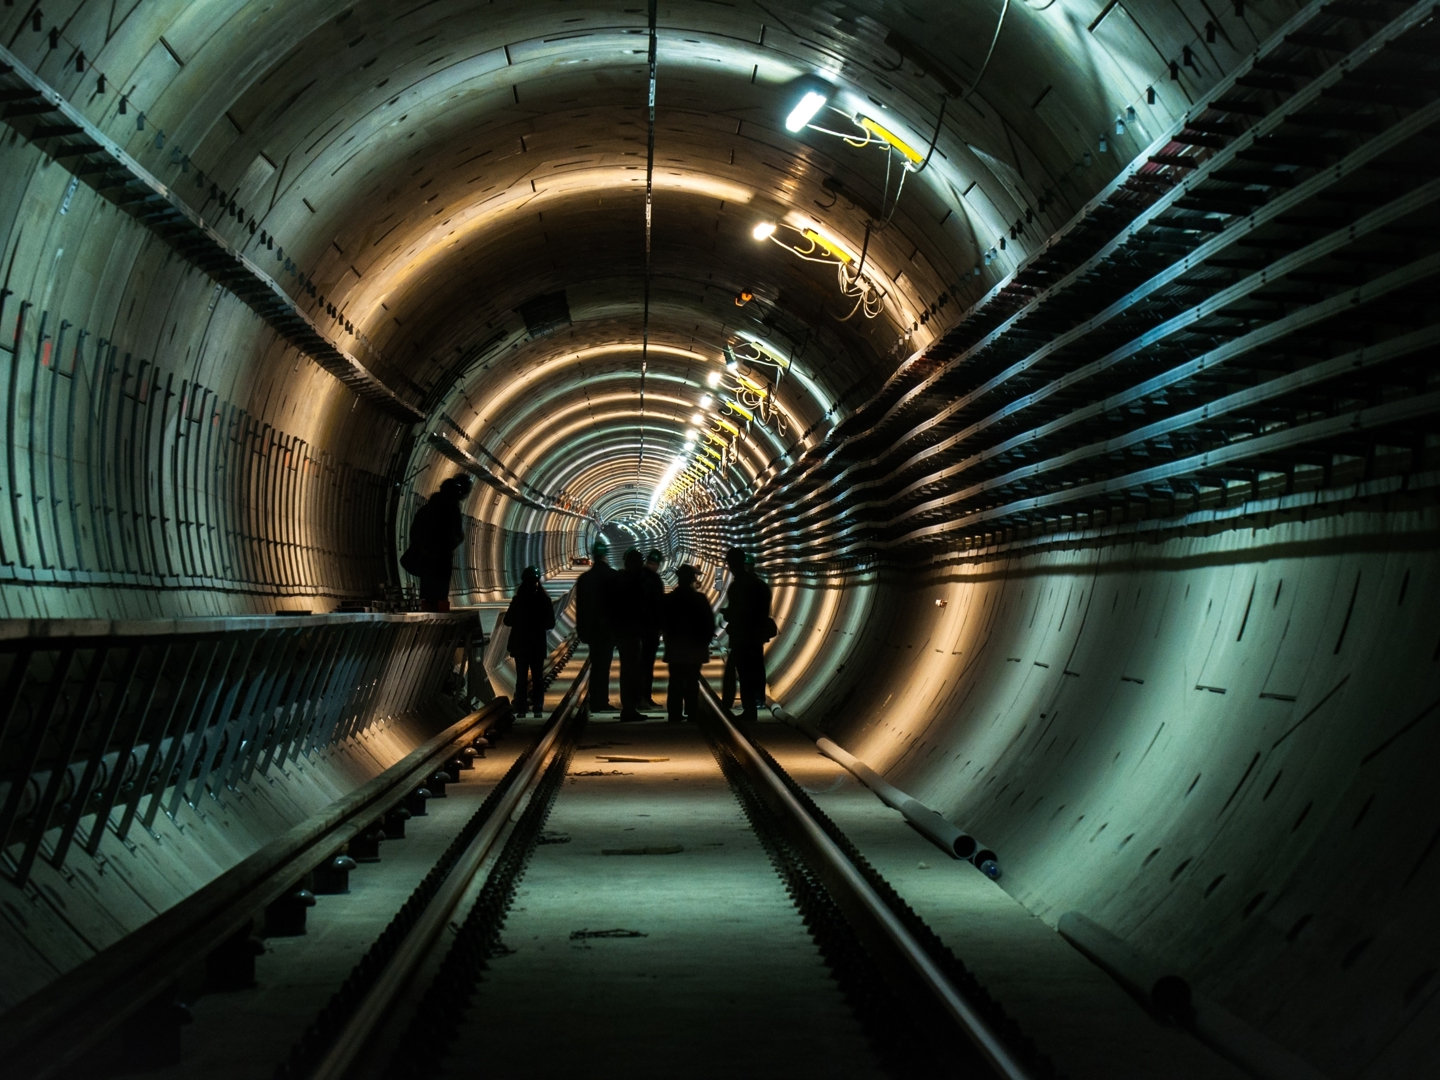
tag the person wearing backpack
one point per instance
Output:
(435, 532)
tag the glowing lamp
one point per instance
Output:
(810, 103)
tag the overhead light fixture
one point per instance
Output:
(813, 96)
(764, 230)
(706, 401)
(713, 379)
(697, 418)
(814, 246)
(890, 139)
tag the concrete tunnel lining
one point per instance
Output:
(1224, 765)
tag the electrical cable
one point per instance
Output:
(999, 23)
(649, 219)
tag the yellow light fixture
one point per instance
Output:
(741, 410)
(750, 384)
(885, 135)
(828, 245)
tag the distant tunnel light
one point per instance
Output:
(713, 379)
(764, 230)
(697, 418)
(706, 401)
(809, 104)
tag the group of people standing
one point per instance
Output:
(628, 611)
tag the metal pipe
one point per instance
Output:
(954, 841)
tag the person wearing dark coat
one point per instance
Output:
(688, 624)
(630, 613)
(650, 635)
(435, 532)
(747, 617)
(530, 617)
(594, 624)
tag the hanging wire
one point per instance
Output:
(999, 24)
(649, 220)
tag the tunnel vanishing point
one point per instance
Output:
(1068, 366)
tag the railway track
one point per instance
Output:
(637, 899)
(624, 877)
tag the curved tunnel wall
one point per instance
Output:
(1215, 746)
(169, 451)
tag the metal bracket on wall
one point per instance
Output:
(47, 119)
(476, 468)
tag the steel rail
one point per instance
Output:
(367, 1017)
(1317, 372)
(841, 875)
(1412, 408)
(53, 1028)
(172, 219)
(1336, 241)
(1308, 95)
(1349, 422)
(1345, 364)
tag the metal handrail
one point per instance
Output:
(51, 1029)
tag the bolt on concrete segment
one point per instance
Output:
(725, 980)
(1090, 1028)
(245, 1034)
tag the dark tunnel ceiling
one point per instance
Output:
(432, 169)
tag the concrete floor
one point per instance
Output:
(724, 979)
(706, 968)
(1072, 1010)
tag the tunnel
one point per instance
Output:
(1066, 369)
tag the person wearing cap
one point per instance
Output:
(435, 532)
(594, 624)
(747, 618)
(688, 624)
(531, 616)
(650, 633)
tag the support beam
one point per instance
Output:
(60, 130)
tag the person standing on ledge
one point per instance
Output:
(530, 617)
(650, 635)
(747, 616)
(689, 625)
(435, 532)
(594, 624)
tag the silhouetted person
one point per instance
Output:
(747, 616)
(650, 636)
(689, 624)
(727, 681)
(629, 613)
(435, 532)
(530, 617)
(594, 625)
